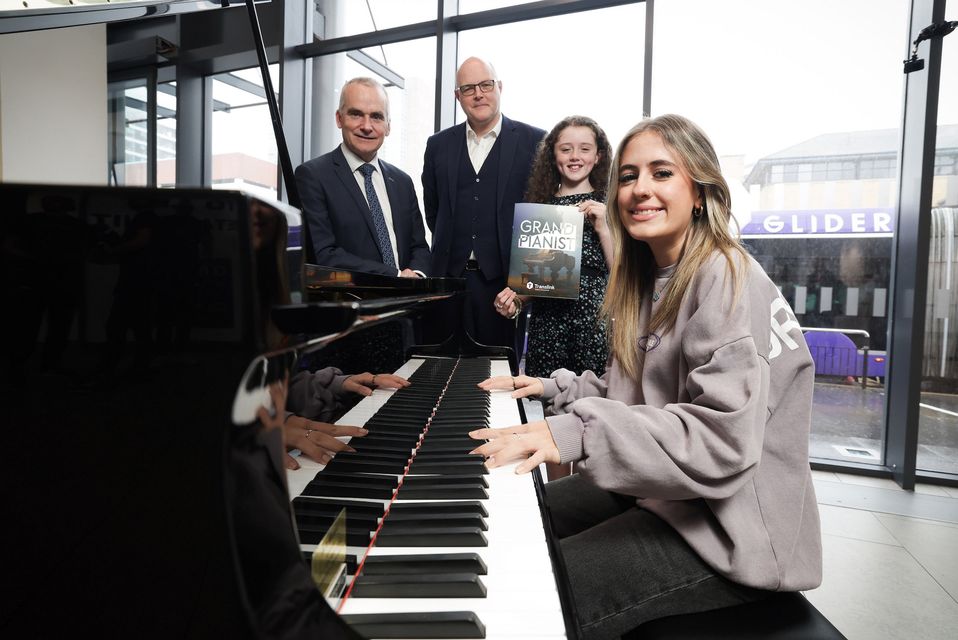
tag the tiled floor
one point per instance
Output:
(890, 558)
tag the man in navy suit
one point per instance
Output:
(363, 215)
(473, 175)
(361, 222)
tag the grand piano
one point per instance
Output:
(145, 333)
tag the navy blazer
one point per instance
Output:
(341, 226)
(440, 175)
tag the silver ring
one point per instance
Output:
(498, 305)
(517, 436)
(309, 431)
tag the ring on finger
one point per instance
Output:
(517, 436)
(309, 431)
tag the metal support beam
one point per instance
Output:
(910, 259)
(194, 137)
(390, 77)
(447, 50)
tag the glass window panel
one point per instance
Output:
(244, 148)
(543, 83)
(938, 411)
(411, 107)
(472, 6)
(351, 18)
(166, 134)
(826, 244)
(129, 133)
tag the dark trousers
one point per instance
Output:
(474, 312)
(480, 318)
(626, 565)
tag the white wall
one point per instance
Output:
(53, 106)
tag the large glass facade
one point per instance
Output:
(130, 129)
(549, 68)
(407, 70)
(339, 19)
(938, 415)
(244, 148)
(806, 118)
(812, 172)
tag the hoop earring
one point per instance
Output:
(697, 212)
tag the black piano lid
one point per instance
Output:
(130, 316)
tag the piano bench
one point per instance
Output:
(783, 616)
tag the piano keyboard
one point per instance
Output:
(497, 567)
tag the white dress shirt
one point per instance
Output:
(479, 148)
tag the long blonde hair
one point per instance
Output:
(633, 273)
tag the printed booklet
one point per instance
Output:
(546, 250)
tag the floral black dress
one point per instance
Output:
(567, 334)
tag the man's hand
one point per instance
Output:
(408, 273)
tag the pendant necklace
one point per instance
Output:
(657, 293)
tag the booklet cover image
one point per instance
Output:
(546, 250)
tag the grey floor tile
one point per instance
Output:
(934, 545)
(855, 524)
(932, 490)
(867, 481)
(825, 476)
(872, 590)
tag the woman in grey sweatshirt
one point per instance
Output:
(693, 489)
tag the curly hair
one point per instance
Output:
(544, 178)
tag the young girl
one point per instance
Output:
(571, 168)
(693, 489)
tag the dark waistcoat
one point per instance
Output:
(474, 223)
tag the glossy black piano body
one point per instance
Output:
(133, 503)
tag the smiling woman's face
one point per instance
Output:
(655, 196)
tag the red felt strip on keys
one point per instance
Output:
(392, 499)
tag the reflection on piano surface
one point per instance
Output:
(152, 327)
(138, 508)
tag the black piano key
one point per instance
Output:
(438, 454)
(443, 492)
(449, 466)
(432, 537)
(342, 465)
(352, 564)
(425, 625)
(349, 490)
(448, 480)
(317, 505)
(356, 520)
(375, 455)
(424, 563)
(457, 506)
(313, 534)
(397, 520)
(438, 585)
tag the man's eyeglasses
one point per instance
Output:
(469, 89)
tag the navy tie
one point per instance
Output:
(379, 220)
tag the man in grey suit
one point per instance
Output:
(473, 175)
(363, 213)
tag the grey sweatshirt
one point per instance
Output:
(714, 437)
